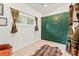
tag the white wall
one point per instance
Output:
(25, 35)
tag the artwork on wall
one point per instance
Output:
(1, 9)
(25, 20)
(55, 27)
(3, 21)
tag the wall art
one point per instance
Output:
(1, 9)
(3, 21)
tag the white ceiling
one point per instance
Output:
(50, 6)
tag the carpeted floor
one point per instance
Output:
(32, 48)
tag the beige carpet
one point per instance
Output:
(32, 48)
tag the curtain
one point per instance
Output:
(75, 42)
(70, 33)
(76, 35)
(15, 14)
(75, 38)
(71, 8)
(36, 26)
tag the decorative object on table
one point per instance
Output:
(3, 21)
(36, 26)
(70, 33)
(1, 9)
(5, 50)
(47, 50)
(15, 14)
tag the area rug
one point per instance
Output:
(47, 50)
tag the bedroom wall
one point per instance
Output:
(25, 35)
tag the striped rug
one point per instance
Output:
(47, 50)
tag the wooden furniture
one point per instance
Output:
(5, 50)
(47, 50)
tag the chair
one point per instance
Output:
(5, 50)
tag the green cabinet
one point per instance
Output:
(55, 27)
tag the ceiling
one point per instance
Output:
(50, 6)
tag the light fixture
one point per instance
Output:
(44, 4)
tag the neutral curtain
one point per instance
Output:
(36, 26)
(74, 41)
(15, 14)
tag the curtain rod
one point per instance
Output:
(23, 12)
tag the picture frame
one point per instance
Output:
(25, 20)
(3, 21)
(1, 9)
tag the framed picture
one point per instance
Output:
(3, 21)
(25, 20)
(1, 9)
